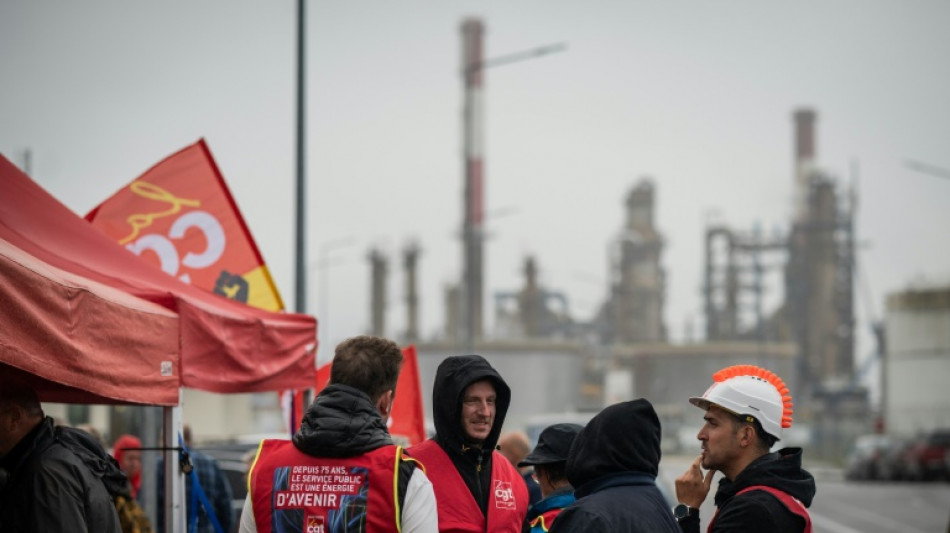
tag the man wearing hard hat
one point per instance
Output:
(746, 409)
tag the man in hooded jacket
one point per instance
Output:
(342, 471)
(478, 489)
(613, 465)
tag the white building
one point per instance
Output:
(917, 362)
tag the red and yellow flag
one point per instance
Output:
(181, 216)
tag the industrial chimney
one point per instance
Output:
(410, 262)
(473, 170)
(378, 303)
(804, 159)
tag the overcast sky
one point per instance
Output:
(697, 95)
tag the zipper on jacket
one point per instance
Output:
(478, 477)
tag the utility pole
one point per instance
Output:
(473, 231)
(300, 281)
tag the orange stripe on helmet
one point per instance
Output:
(761, 373)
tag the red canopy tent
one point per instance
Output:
(87, 321)
(224, 346)
(52, 319)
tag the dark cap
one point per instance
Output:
(553, 444)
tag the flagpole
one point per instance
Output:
(300, 285)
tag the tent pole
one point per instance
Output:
(151, 435)
(174, 479)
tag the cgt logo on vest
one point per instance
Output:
(315, 524)
(504, 495)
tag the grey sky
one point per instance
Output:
(698, 95)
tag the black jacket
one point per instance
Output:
(343, 422)
(758, 510)
(46, 488)
(613, 465)
(473, 463)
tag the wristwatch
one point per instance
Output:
(682, 511)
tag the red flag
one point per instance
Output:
(323, 377)
(180, 215)
(407, 418)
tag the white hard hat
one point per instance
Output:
(747, 390)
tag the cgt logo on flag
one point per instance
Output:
(181, 216)
(504, 496)
(315, 524)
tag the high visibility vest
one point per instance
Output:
(295, 492)
(543, 521)
(790, 502)
(458, 510)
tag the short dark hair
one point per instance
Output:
(763, 440)
(15, 392)
(554, 471)
(370, 364)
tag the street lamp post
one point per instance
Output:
(473, 169)
(300, 220)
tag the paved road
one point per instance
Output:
(854, 507)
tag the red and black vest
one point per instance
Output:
(458, 510)
(790, 502)
(293, 491)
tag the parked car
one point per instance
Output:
(862, 461)
(892, 461)
(927, 459)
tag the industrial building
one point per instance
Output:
(917, 361)
(624, 352)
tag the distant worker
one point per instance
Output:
(342, 471)
(127, 450)
(44, 486)
(477, 489)
(514, 445)
(613, 465)
(213, 482)
(549, 459)
(215, 489)
(746, 409)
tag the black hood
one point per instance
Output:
(782, 470)
(341, 422)
(455, 373)
(624, 437)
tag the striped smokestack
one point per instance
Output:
(804, 158)
(472, 134)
